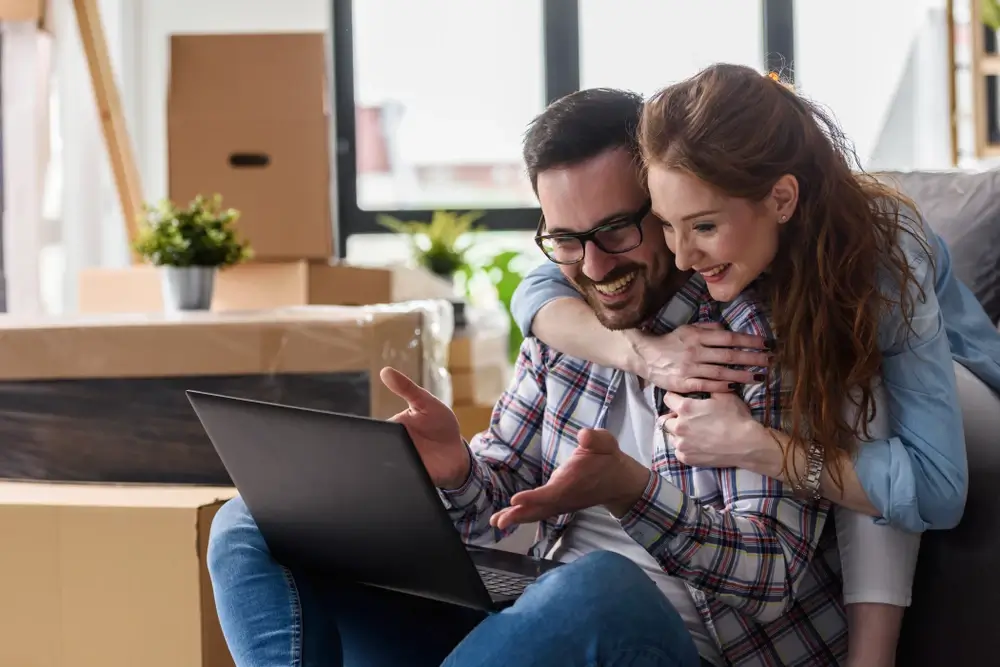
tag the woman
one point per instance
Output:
(754, 187)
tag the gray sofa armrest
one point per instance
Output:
(956, 594)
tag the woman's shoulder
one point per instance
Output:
(914, 247)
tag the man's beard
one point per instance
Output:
(648, 296)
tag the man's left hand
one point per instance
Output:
(597, 473)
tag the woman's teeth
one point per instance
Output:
(615, 286)
(716, 271)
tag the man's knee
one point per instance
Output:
(232, 535)
(609, 585)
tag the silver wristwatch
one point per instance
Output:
(807, 486)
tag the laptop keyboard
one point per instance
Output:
(504, 584)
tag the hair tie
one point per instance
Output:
(774, 76)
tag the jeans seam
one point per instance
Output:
(296, 612)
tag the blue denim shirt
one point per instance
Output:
(918, 479)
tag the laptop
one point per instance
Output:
(348, 497)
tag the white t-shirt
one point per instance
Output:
(632, 419)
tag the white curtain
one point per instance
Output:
(89, 210)
(62, 213)
(26, 67)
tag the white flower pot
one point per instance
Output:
(187, 287)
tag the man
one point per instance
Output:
(655, 576)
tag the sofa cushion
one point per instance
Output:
(964, 209)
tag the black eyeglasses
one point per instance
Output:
(614, 237)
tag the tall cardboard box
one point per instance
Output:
(248, 118)
(109, 576)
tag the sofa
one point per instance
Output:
(957, 586)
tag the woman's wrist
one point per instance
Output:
(765, 454)
(628, 358)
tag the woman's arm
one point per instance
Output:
(918, 478)
(689, 359)
(765, 453)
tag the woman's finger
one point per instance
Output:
(731, 357)
(723, 338)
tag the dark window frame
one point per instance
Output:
(561, 43)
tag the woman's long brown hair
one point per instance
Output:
(740, 131)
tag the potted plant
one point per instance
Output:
(190, 245)
(440, 244)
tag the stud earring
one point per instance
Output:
(783, 218)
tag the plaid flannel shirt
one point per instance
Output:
(761, 564)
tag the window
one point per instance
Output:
(672, 40)
(432, 97)
(443, 90)
(881, 69)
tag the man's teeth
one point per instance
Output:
(716, 271)
(615, 286)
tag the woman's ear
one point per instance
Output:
(785, 197)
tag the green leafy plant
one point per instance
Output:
(505, 279)
(991, 13)
(439, 245)
(200, 235)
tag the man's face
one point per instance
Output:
(624, 289)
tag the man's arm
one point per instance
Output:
(506, 458)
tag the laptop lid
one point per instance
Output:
(341, 495)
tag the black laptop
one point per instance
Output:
(349, 497)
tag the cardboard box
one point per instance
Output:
(102, 398)
(259, 286)
(471, 350)
(482, 386)
(22, 10)
(109, 576)
(473, 419)
(248, 118)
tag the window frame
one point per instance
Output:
(561, 44)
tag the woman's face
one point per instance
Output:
(729, 241)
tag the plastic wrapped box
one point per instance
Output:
(102, 398)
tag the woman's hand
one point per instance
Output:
(719, 432)
(698, 358)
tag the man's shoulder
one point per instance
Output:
(544, 358)
(749, 312)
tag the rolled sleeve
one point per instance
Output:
(918, 479)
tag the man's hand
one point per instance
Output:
(719, 432)
(694, 358)
(597, 473)
(433, 427)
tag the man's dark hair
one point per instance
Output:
(580, 126)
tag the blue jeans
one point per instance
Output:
(599, 610)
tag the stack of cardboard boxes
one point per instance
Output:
(106, 529)
(117, 484)
(248, 117)
(479, 370)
